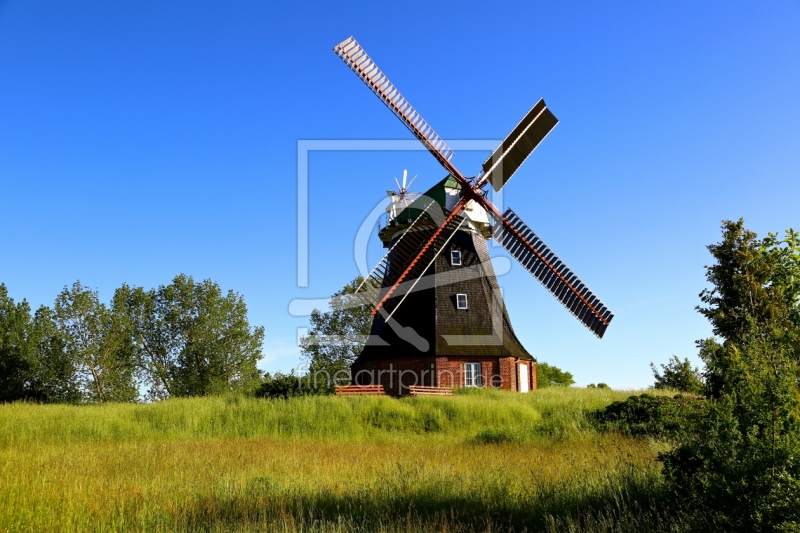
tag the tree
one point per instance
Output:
(552, 376)
(338, 335)
(55, 378)
(739, 463)
(33, 362)
(754, 294)
(784, 256)
(678, 375)
(156, 350)
(183, 339)
(96, 341)
(17, 360)
(194, 341)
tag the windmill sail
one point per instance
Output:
(403, 250)
(519, 144)
(539, 260)
(419, 255)
(359, 62)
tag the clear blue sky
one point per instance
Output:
(142, 140)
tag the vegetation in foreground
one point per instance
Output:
(482, 461)
(559, 459)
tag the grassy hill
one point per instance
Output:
(481, 461)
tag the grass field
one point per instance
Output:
(485, 461)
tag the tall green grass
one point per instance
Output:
(551, 412)
(479, 461)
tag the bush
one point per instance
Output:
(289, 386)
(740, 461)
(656, 416)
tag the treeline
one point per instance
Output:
(186, 338)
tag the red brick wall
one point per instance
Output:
(509, 372)
(396, 374)
(450, 370)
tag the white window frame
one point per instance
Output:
(472, 375)
(455, 257)
(458, 301)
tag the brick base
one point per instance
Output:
(397, 374)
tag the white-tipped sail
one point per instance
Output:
(359, 62)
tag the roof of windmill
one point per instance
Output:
(444, 194)
(440, 193)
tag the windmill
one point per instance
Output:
(439, 317)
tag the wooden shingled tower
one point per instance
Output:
(440, 319)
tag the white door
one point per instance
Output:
(523, 377)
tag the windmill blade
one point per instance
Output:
(453, 228)
(539, 260)
(519, 144)
(359, 62)
(420, 253)
(403, 250)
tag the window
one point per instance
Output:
(455, 258)
(461, 301)
(472, 375)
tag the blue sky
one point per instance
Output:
(144, 140)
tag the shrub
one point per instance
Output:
(740, 461)
(289, 386)
(656, 416)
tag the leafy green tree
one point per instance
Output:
(552, 376)
(784, 256)
(739, 463)
(754, 294)
(17, 359)
(678, 375)
(156, 350)
(33, 362)
(95, 339)
(337, 336)
(194, 340)
(55, 378)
